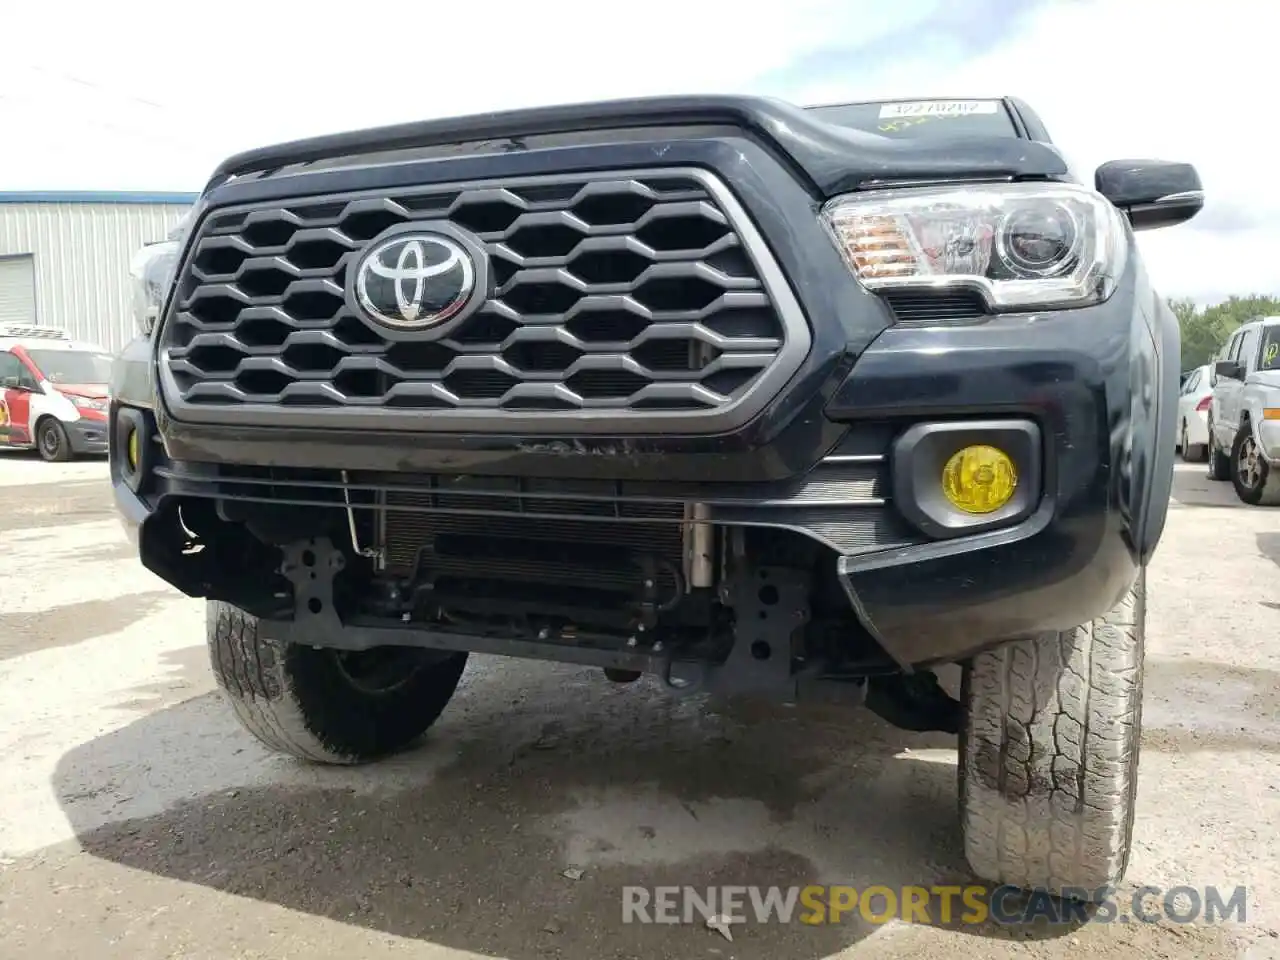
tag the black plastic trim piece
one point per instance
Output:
(920, 453)
(1161, 424)
(127, 420)
(836, 483)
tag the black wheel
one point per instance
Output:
(1049, 754)
(1251, 475)
(1219, 462)
(52, 441)
(327, 706)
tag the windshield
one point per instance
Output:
(923, 119)
(1270, 357)
(72, 366)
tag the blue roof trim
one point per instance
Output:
(97, 196)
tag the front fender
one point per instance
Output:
(1257, 398)
(131, 379)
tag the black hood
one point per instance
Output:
(832, 158)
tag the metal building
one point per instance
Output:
(64, 257)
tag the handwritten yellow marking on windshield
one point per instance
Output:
(1273, 350)
(897, 126)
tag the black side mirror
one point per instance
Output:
(1151, 193)
(1229, 369)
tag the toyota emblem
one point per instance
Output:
(415, 279)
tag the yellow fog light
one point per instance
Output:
(131, 452)
(979, 479)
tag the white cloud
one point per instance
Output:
(151, 95)
(172, 89)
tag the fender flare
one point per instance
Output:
(1167, 339)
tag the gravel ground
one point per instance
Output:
(138, 821)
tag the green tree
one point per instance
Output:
(1204, 331)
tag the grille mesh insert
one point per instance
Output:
(613, 293)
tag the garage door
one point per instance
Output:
(17, 290)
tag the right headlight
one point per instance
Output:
(1021, 245)
(151, 271)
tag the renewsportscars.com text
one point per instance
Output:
(970, 904)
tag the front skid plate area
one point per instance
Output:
(770, 606)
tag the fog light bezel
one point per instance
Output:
(921, 452)
(126, 423)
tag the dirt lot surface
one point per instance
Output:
(138, 821)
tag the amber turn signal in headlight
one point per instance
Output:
(979, 479)
(1022, 246)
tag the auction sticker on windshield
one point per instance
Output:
(936, 108)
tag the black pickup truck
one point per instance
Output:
(752, 398)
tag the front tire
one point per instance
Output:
(1191, 453)
(1049, 754)
(1219, 462)
(1255, 482)
(324, 705)
(52, 441)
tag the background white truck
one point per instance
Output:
(1244, 415)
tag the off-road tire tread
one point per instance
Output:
(294, 701)
(1049, 754)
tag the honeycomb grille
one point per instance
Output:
(614, 297)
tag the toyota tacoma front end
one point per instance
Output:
(751, 398)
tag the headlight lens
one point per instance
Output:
(151, 271)
(1021, 245)
(88, 403)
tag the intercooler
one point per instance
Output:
(598, 545)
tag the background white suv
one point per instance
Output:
(1244, 413)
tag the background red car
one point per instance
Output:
(53, 392)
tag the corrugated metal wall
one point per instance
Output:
(82, 253)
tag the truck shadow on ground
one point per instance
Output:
(1269, 546)
(69, 501)
(1193, 488)
(535, 770)
(24, 632)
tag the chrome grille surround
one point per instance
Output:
(640, 301)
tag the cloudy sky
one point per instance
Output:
(149, 95)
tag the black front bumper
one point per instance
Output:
(1078, 376)
(1099, 384)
